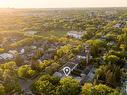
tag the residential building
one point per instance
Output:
(30, 33)
(75, 34)
(6, 56)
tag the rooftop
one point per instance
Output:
(75, 32)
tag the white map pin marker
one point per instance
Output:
(66, 71)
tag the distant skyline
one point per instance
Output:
(61, 3)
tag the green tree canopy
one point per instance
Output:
(2, 90)
(90, 89)
(68, 86)
(25, 71)
(45, 85)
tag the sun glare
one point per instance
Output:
(61, 3)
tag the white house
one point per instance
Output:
(75, 34)
(118, 25)
(30, 33)
(6, 56)
(22, 51)
(81, 57)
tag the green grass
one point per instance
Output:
(58, 33)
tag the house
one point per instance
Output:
(103, 38)
(49, 54)
(6, 56)
(112, 43)
(86, 75)
(118, 25)
(13, 52)
(81, 57)
(22, 51)
(75, 34)
(30, 33)
(71, 65)
(46, 56)
(33, 47)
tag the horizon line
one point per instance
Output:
(60, 7)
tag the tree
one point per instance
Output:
(110, 58)
(26, 72)
(99, 75)
(125, 35)
(52, 68)
(25, 41)
(104, 90)
(115, 57)
(38, 54)
(68, 86)
(19, 60)
(90, 32)
(101, 89)
(95, 46)
(110, 37)
(108, 74)
(86, 89)
(8, 71)
(64, 50)
(1, 50)
(9, 77)
(2, 90)
(51, 79)
(45, 85)
(87, 35)
(119, 54)
(45, 64)
(120, 39)
(123, 47)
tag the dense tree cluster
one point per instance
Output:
(104, 33)
(90, 89)
(8, 78)
(26, 72)
(48, 85)
(108, 74)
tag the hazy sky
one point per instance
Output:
(62, 3)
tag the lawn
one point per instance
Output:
(58, 33)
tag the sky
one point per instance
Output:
(61, 3)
